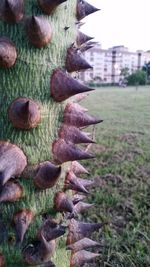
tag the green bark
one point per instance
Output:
(30, 77)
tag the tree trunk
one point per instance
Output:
(30, 78)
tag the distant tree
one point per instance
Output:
(146, 68)
(123, 76)
(137, 78)
(124, 72)
(97, 79)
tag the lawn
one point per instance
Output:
(122, 175)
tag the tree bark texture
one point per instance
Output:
(30, 78)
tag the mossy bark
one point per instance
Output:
(30, 77)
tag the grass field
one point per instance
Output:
(122, 174)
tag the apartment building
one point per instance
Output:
(108, 63)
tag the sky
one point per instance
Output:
(120, 22)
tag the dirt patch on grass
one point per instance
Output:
(127, 155)
(98, 148)
(129, 138)
(115, 179)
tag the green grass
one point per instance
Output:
(122, 172)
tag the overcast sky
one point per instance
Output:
(120, 22)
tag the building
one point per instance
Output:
(108, 63)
